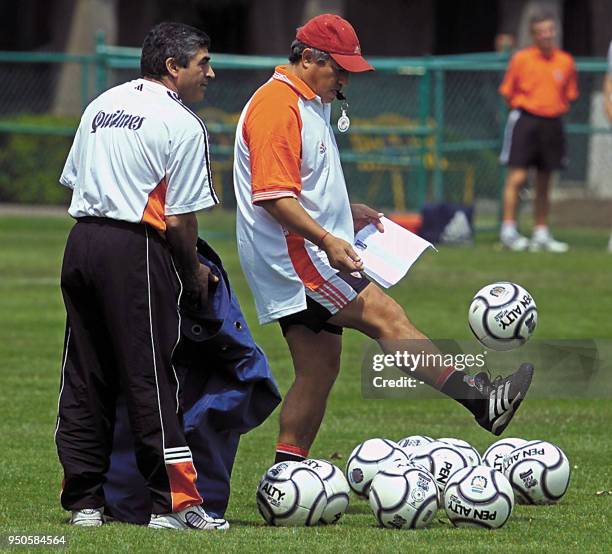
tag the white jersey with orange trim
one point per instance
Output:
(285, 147)
(139, 154)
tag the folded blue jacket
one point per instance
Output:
(227, 390)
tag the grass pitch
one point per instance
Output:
(573, 293)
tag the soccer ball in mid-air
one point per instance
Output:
(472, 455)
(539, 472)
(411, 443)
(291, 494)
(441, 460)
(367, 459)
(404, 497)
(478, 497)
(336, 489)
(502, 316)
(495, 454)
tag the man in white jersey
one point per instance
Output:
(607, 90)
(295, 230)
(139, 169)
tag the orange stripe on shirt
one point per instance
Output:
(155, 211)
(306, 270)
(182, 477)
(272, 132)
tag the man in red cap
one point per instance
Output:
(295, 231)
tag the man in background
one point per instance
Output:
(539, 85)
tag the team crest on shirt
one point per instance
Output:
(558, 75)
(322, 148)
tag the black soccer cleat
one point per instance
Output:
(502, 397)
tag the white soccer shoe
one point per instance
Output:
(193, 517)
(87, 517)
(515, 242)
(548, 244)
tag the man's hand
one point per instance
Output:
(364, 215)
(340, 254)
(195, 287)
(182, 236)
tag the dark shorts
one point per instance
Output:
(318, 307)
(533, 141)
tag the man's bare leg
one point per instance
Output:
(316, 361)
(542, 187)
(509, 235)
(381, 318)
(378, 316)
(542, 239)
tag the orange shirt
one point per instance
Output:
(542, 86)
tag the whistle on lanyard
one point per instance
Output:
(343, 121)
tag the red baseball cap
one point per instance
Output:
(335, 35)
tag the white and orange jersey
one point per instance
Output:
(285, 146)
(139, 154)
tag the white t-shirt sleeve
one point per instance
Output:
(610, 59)
(69, 173)
(188, 177)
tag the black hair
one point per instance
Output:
(297, 47)
(170, 40)
(539, 17)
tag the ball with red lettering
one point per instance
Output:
(291, 494)
(478, 497)
(539, 472)
(502, 316)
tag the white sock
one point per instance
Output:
(540, 232)
(508, 229)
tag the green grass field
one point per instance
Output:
(573, 293)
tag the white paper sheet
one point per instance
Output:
(388, 256)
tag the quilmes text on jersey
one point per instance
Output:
(118, 118)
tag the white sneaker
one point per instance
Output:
(193, 517)
(87, 517)
(515, 242)
(610, 245)
(548, 244)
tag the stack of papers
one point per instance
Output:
(388, 256)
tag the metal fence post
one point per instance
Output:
(424, 111)
(85, 76)
(438, 177)
(503, 170)
(101, 70)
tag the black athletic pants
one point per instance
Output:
(120, 290)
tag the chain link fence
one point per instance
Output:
(422, 130)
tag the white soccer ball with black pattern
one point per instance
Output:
(367, 459)
(502, 316)
(411, 443)
(539, 472)
(404, 497)
(441, 459)
(291, 494)
(336, 489)
(495, 454)
(472, 455)
(478, 497)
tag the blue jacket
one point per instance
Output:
(227, 390)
